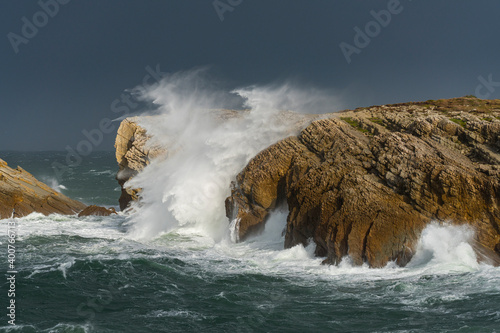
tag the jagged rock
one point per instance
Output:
(22, 192)
(132, 155)
(364, 183)
(97, 211)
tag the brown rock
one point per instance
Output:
(97, 211)
(365, 185)
(22, 192)
(132, 155)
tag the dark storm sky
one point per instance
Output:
(63, 79)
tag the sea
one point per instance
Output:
(94, 274)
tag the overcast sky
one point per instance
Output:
(63, 66)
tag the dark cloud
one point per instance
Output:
(81, 56)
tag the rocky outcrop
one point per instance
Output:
(132, 155)
(94, 210)
(23, 194)
(364, 183)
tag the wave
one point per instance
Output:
(204, 153)
(442, 249)
(446, 247)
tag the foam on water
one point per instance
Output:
(91, 227)
(442, 249)
(442, 274)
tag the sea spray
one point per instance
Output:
(207, 147)
(53, 183)
(445, 247)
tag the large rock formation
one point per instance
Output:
(364, 183)
(22, 192)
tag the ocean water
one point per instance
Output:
(171, 264)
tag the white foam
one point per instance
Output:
(66, 265)
(176, 313)
(443, 248)
(442, 254)
(37, 224)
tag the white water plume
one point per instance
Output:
(53, 183)
(208, 145)
(445, 247)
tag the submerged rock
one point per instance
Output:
(365, 183)
(23, 194)
(94, 210)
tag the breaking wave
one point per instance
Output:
(208, 145)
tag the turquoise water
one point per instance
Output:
(92, 275)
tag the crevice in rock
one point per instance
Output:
(365, 239)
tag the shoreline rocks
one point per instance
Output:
(22, 192)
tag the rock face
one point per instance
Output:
(364, 183)
(132, 155)
(21, 191)
(94, 210)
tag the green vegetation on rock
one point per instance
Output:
(354, 123)
(459, 121)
